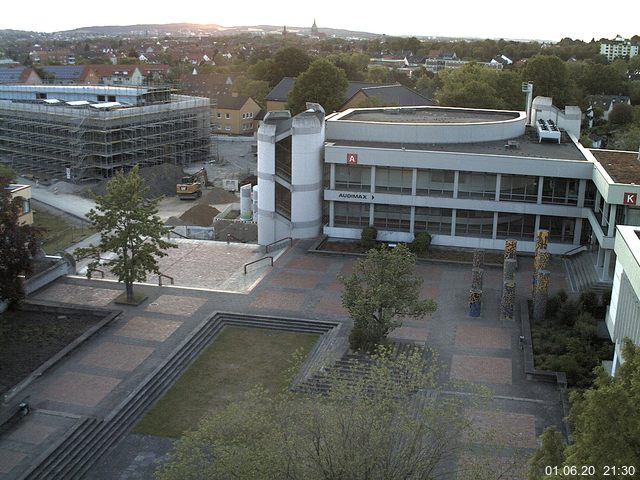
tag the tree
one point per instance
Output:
(18, 244)
(382, 288)
(621, 114)
(130, 228)
(605, 420)
(363, 428)
(256, 89)
(549, 76)
(550, 454)
(322, 83)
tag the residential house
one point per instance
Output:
(235, 115)
(69, 74)
(19, 74)
(23, 192)
(607, 102)
(619, 47)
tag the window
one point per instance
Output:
(392, 217)
(41, 96)
(283, 201)
(219, 115)
(227, 116)
(433, 220)
(560, 228)
(101, 98)
(227, 128)
(353, 177)
(435, 183)
(398, 180)
(283, 158)
(26, 206)
(517, 226)
(563, 191)
(519, 188)
(350, 214)
(111, 98)
(477, 185)
(474, 223)
(250, 115)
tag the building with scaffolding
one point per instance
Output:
(87, 132)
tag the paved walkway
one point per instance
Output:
(97, 376)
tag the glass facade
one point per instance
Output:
(474, 223)
(353, 177)
(283, 158)
(519, 188)
(435, 183)
(516, 225)
(560, 228)
(433, 220)
(560, 191)
(394, 180)
(392, 217)
(283, 201)
(350, 214)
(477, 185)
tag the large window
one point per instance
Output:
(560, 228)
(435, 183)
(516, 225)
(283, 158)
(283, 201)
(433, 220)
(562, 191)
(389, 179)
(474, 223)
(392, 217)
(353, 177)
(477, 185)
(590, 194)
(519, 188)
(350, 214)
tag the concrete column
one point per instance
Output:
(371, 213)
(577, 231)
(605, 215)
(456, 181)
(600, 257)
(612, 220)
(414, 182)
(477, 275)
(412, 218)
(475, 303)
(478, 258)
(536, 225)
(498, 180)
(540, 185)
(508, 300)
(596, 202)
(373, 178)
(332, 214)
(606, 266)
(453, 222)
(540, 295)
(509, 272)
(332, 176)
(494, 232)
(582, 190)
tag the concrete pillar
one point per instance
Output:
(478, 258)
(476, 278)
(541, 295)
(509, 271)
(453, 222)
(582, 190)
(332, 176)
(542, 239)
(497, 198)
(606, 266)
(510, 249)
(600, 257)
(371, 213)
(412, 219)
(577, 231)
(414, 182)
(373, 178)
(612, 220)
(540, 186)
(596, 202)
(475, 303)
(494, 232)
(332, 214)
(605, 215)
(508, 300)
(456, 181)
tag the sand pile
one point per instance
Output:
(200, 214)
(160, 179)
(217, 195)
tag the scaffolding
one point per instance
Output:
(83, 144)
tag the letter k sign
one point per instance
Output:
(630, 198)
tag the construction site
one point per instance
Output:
(85, 133)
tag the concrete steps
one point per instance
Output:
(583, 276)
(85, 443)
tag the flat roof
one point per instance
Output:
(521, 147)
(622, 166)
(427, 115)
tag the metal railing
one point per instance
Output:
(577, 249)
(266, 247)
(256, 261)
(161, 275)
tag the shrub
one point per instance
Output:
(553, 307)
(568, 313)
(421, 243)
(605, 299)
(368, 237)
(562, 295)
(589, 302)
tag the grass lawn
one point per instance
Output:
(237, 360)
(58, 233)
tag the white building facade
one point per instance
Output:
(618, 48)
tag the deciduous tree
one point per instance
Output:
(130, 228)
(322, 83)
(382, 288)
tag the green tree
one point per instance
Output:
(7, 174)
(621, 114)
(382, 288)
(322, 83)
(18, 244)
(364, 428)
(549, 454)
(129, 228)
(605, 420)
(256, 89)
(549, 76)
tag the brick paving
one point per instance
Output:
(97, 376)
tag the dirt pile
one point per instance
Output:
(200, 214)
(217, 195)
(160, 180)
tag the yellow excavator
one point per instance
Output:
(191, 186)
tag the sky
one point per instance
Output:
(514, 19)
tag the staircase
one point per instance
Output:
(71, 457)
(582, 274)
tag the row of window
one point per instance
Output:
(470, 223)
(227, 115)
(441, 183)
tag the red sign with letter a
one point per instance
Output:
(630, 198)
(352, 158)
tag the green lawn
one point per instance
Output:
(236, 361)
(58, 234)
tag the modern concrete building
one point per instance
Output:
(87, 132)
(470, 177)
(618, 47)
(623, 314)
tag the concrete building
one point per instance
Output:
(470, 177)
(87, 132)
(619, 47)
(235, 114)
(623, 314)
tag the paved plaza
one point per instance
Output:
(97, 376)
